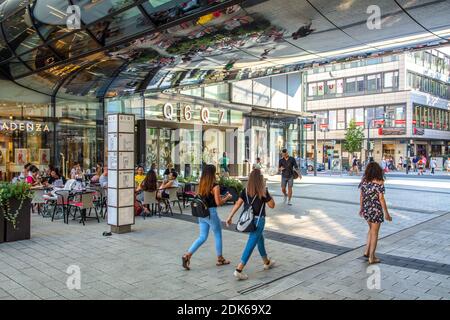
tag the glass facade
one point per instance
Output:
(431, 118)
(390, 116)
(180, 132)
(429, 85)
(358, 85)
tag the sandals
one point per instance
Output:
(222, 261)
(186, 262)
(374, 261)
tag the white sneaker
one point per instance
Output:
(269, 265)
(240, 275)
(289, 203)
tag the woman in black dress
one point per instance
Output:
(373, 206)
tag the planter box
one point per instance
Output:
(2, 227)
(23, 225)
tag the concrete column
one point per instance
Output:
(121, 149)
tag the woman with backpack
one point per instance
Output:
(255, 196)
(209, 191)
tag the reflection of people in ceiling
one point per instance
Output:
(303, 31)
(266, 53)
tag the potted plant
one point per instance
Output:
(233, 186)
(15, 205)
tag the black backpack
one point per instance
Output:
(199, 207)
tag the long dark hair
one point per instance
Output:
(373, 172)
(207, 180)
(150, 181)
(256, 185)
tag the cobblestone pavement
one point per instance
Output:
(317, 244)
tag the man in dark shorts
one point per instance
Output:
(286, 165)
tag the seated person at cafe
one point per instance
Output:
(168, 170)
(56, 179)
(98, 173)
(33, 176)
(104, 178)
(149, 184)
(139, 177)
(171, 183)
(24, 174)
(76, 172)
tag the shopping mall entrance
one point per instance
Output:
(187, 147)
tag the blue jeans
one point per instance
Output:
(255, 238)
(213, 222)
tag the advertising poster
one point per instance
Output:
(3, 157)
(21, 157)
(44, 156)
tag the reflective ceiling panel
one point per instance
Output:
(123, 45)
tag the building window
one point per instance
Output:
(360, 84)
(359, 117)
(374, 82)
(312, 89)
(320, 89)
(350, 115)
(340, 119)
(350, 85)
(330, 88)
(332, 120)
(340, 86)
(390, 79)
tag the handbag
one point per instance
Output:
(245, 222)
(297, 174)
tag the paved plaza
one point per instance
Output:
(317, 244)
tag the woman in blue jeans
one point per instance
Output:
(257, 196)
(209, 190)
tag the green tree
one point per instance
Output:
(354, 137)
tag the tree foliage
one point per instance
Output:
(354, 137)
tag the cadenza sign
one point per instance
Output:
(12, 126)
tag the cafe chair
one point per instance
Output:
(82, 203)
(173, 197)
(150, 199)
(38, 200)
(60, 203)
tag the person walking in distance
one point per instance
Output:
(257, 196)
(287, 165)
(373, 206)
(209, 190)
(433, 165)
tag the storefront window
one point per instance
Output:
(26, 135)
(395, 117)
